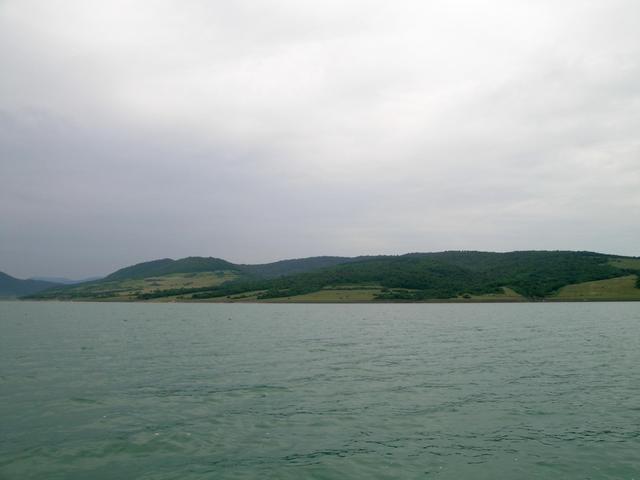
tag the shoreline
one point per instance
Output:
(348, 302)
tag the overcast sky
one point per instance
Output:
(260, 130)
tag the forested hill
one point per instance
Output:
(531, 275)
(423, 276)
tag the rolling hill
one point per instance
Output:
(441, 276)
(167, 266)
(160, 277)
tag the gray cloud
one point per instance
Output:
(253, 131)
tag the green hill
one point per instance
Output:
(532, 275)
(14, 287)
(166, 277)
(451, 275)
(167, 266)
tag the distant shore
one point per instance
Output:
(438, 277)
(333, 302)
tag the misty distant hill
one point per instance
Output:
(15, 287)
(450, 275)
(64, 281)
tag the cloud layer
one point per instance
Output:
(253, 131)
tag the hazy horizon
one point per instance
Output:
(256, 132)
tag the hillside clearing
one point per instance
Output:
(631, 263)
(620, 288)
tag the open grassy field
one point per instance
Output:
(620, 288)
(178, 280)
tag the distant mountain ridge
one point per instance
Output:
(64, 280)
(15, 287)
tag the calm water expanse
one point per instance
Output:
(123, 391)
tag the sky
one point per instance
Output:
(259, 130)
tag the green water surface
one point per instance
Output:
(211, 391)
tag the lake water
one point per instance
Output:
(186, 391)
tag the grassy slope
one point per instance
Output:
(621, 288)
(625, 262)
(128, 289)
